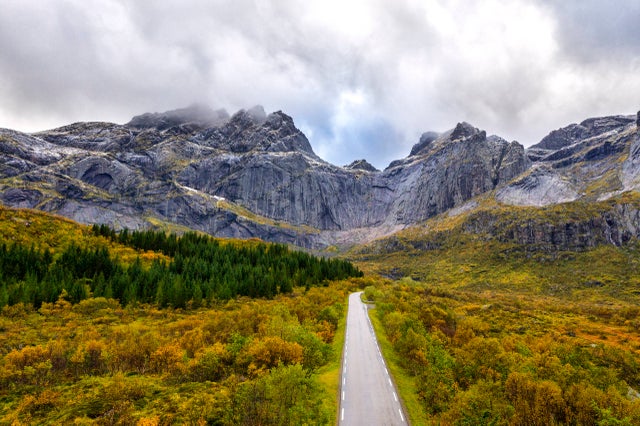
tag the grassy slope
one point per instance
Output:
(514, 292)
(46, 231)
(478, 262)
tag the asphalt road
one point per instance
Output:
(367, 395)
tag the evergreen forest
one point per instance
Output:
(197, 269)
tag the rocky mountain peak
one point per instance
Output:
(250, 117)
(253, 129)
(175, 166)
(361, 165)
(588, 128)
(426, 139)
(464, 130)
(257, 114)
(199, 115)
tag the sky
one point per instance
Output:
(361, 78)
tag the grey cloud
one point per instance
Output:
(593, 30)
(415, 70)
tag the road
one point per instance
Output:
(367, 395)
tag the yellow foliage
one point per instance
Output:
(148, 421)
(271, 351)
(168, 359)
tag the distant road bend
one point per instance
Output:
(367, 395)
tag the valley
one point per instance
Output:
(505, 281)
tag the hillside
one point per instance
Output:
(54, 257)
(152, 328)
(505, 280)
(513, 314)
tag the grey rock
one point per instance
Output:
(425, 141)
(363, 165)
(20, 198)
(463, 130)
(617, 225)
(256, 175)
(541, 186)
(196, 115)
(589, 128)
(631, 166)
(581, 161)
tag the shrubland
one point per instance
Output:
(491, 332)
(243, 361)
(151, 328)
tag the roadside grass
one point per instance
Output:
(404, 382)
(329, 375)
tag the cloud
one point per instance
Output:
(592, 31)
(363, 78)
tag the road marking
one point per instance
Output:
(343, 395)
(342, 415)
(385, 369)
(344, 381)
(395, 396)
(390, 384)
(399, 411)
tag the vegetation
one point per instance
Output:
(505, 359)
(149, 328)
(477, 329)
(200, 270)
(244, 361)
(495, 333)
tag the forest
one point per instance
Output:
(151, 328)
(197, 270)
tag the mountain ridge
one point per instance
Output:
(253, 174)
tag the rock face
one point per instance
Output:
(580, 161)
(614, 224)
(363, 165)
(256, 175)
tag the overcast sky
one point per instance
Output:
(361, 78)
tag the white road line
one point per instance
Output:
(390, 384)
(401, 416)
(344, 381)
(395, 396)
(342, 415)
(343, 395)
(385, 369)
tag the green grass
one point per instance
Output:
(329, 375)
(262, 220)
(404, 382)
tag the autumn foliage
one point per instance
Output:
(244, 361)
(506, 360)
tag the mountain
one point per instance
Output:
(256, 175)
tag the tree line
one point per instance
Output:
(200, 269)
